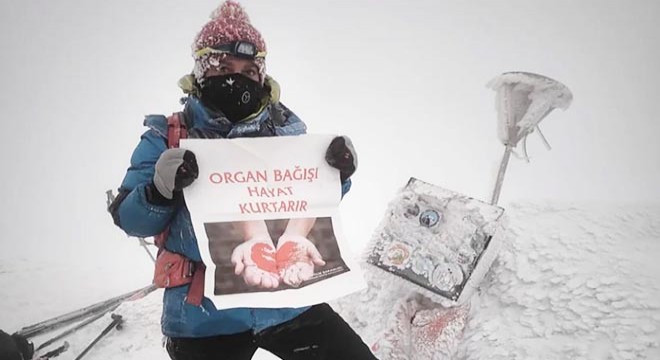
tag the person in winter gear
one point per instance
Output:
(229, 95)
(15, 347)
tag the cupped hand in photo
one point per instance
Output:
(296, 258)
(255, 260)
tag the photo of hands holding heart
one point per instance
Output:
(264, 265)
(271, 255)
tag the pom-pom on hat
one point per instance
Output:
(229, 23)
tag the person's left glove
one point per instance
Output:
(341, 156)
(175, 169)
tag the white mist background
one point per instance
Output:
(404, 79)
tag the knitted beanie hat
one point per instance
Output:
(229, 23)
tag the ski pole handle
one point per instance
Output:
(115, 324)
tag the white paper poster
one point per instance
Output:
(265, 214)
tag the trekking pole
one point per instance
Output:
(54, 353)
(66, 319)
(116, 323)
(110, 197)
(76, 328)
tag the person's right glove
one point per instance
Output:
(341, 156)
(175, 169)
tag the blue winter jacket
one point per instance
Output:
(137, 217)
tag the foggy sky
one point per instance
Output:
(406, 80)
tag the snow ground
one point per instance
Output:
(572, 282)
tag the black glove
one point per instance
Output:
(175, 169)
(341, 156)
(15, 347)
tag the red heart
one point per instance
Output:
(286, 255)
(270, 260)
(263, 256)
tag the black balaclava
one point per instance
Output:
(234, 95)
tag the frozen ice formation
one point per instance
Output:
(435, 238)
(570, 283)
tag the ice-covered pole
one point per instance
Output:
(523, 99)
(500, 174)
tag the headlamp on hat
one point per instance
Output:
(241, 49)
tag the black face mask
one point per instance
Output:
(234, 95)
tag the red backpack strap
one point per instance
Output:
(159, 239)
(196, 290)
(176, 130)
